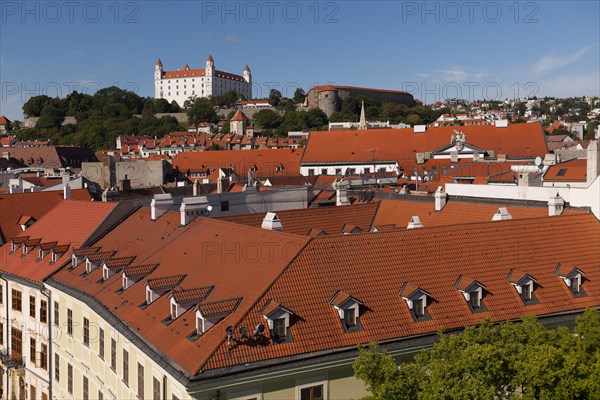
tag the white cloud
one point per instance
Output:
(462, 75)
(552, 61)
(571, 85)
(233, 38)
(111, 66)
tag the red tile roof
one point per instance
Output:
(573, 170)
(219, 307)
(200, 254)
(399, 212)
(136, 270)
(69, 223)
(331, 220)
(374, 267)
(516, 140)
(197, 295)
(4, 120)
(267, 162)
(165, 282)
(239, 116)
(15, 206)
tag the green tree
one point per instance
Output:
(488, 362)
(267, 119)
(274, 97)
(200, 110)
(299, 96)
(33, 107)
(50, 117)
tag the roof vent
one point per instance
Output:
(420, 128)
(272, 222)
(501, 215)
(341, 192)
(501, 123)
(161, 203)
(415, 222)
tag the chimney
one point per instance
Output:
(191, 207)
(65, 179)
(67, 192)
(415, 222)
(502, 215)
(219, 185)
(501, 123)
(593, 160)
(272, 222)
(420, 128)
(161, 203)
(454, 156)
(341, 192)
(6, 155)
(440, 198)
(556, 205)
(195, 187)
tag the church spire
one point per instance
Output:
(363, 121)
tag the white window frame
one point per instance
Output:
(314, 381)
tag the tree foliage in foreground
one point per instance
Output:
(488, 362)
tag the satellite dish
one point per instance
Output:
(230, 331)
(260, 328)
(243, 331)
(538, 161)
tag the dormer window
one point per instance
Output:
(209, 314)
(348, 308)
(159, 286)
(472, 291)
(417, 301)
(525, 286)
(278, 319)
(573, 278)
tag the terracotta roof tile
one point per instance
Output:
(573, 170)
(219, 307)
(137, 270)
(100, 256)
(118, 262)
(197, 294)
(165, 282)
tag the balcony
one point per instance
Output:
(10, 360)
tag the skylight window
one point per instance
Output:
(561, 172)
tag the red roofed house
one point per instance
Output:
(180, 85)
(381, 150)
(4, 124)
(213, 309)
(238, 123)
(28, 259)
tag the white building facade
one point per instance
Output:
(181, 85)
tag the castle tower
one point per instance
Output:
(238, 124)
(209, 73)
(158, 74)
(248, 78)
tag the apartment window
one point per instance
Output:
(173, 310)
(126, 367)
(101, 343)
(338, 171)
(16, 342)
(155, 389)
(311, 172)
(44, 396)
(140, 381)
(367, 170)
(44, 356)
(576, 284)
(17, 304)
(86, 388)
(32, 306)
(86, 331)
(56, 313)
(1, 334)
(32, 350)
(56, 367)
(224, 206)
(279, 328)
(113, 354)
(312, 393)
(32, 392)
(43, 311)
(527, 291)
(1, 294)
(70, 378)
(323, 171)
(69, 321)
(100, 395)
(419, 307)
(350, 318)
(475, 300)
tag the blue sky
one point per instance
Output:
(435, 50)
